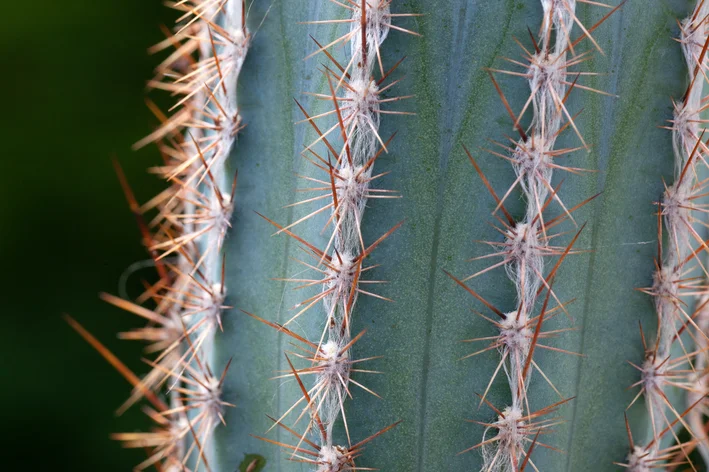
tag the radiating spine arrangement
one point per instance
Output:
(345, 186)
(185, 236)
(508, 441)
(679, 278)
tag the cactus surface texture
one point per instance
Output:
(465, 235)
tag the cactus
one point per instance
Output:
(310, 316)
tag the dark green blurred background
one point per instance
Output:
(73, 79)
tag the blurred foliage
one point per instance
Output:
(73, 87)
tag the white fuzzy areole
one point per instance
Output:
(332, 459)
(515, 332)
(639, 461)
(501, 455)
(341, 275)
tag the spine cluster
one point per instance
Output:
(529, 243)
(344, 152)
(185, 233)
(679, 276)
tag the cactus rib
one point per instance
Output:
(344, 189)
(672, 279)
(186, 237)
(508, 441)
